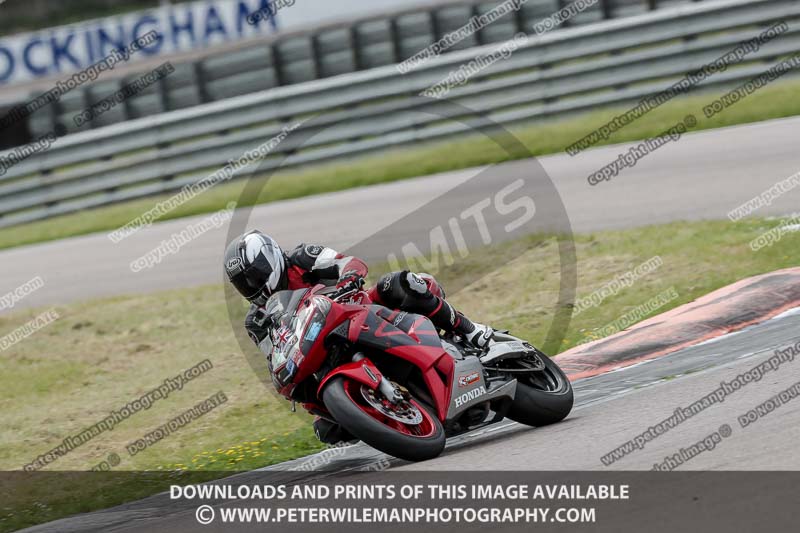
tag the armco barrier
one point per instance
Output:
(316, 53)
(610, 62)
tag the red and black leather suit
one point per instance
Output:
(309, 264)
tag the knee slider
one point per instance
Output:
(414, 285)
(407, 291)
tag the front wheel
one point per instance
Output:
(409, 432)
(543, 397)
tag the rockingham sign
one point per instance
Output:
(188, 26)
(181, 27)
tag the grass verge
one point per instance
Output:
(101, 355)
(775, 101)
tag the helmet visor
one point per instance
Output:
(249, 282)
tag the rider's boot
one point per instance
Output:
(476, 334)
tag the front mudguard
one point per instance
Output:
(363, 371)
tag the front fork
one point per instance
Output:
(385, 387)
(364, 371)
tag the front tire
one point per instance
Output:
(542, 399)
(426, 440)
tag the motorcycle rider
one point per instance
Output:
(257, 267)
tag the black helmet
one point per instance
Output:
(256, 266)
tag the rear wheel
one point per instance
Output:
(543, 397)
(408, 431)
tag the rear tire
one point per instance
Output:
(534, 406)
(356, 420)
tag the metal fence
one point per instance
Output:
(607, 63)
(314, 54)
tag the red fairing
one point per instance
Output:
(313, 360)
(356, 325)
(437, 368)
(442, 388)
(355, 371)
(373, 327)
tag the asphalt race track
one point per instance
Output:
(610, 409)
(703, 176)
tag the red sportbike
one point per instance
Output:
(392, 381)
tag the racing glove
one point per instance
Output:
(350, 280)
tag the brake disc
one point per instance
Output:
(405, 413)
